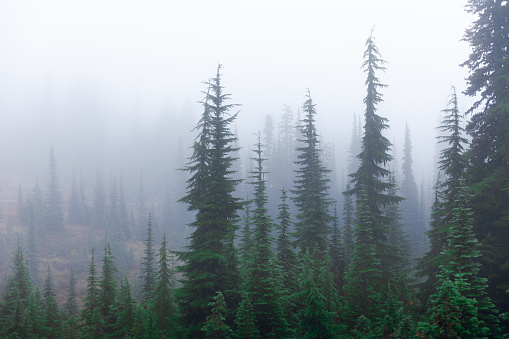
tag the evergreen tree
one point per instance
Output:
(107, 290)
(315, 321)
(286, 257)
(15, 298)
(348, 223)
(452, 165)
(311, 185)
(162, 301)
(71, 304)
(337, 268)
(99, 205)
(215, 326)
(148, 269)
(367, 277)
(36, 315)
(53, 320)
(124, 311)
(245, 320)
(71, 307)
(488, 154)
(90, 314)
(410, 205)
(75, 212)
(261, 283)
(210, 195)
(54, 207)
(463, 262)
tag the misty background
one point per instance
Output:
(114, 86)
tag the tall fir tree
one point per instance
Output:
(311, 189)
(373, 257)
(107, 290)
(451, 165)
(410, 205)
(262, 282)
(209, 260)
(148, 269)
(91, 325)
(488, 154)
(162, 298)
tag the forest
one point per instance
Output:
(271, 242)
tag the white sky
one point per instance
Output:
(150, 52)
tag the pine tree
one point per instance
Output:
(74, 212)
(215, 327)
(99, 204)
(208, 265)
(286, 257)
(336, 252)
(315, 321)
(261, 283)
(107, 290)
(124, 311)
(451, 164)
(148, 270)
(90, 314)
(15, 298)
(162, 299)
(53, 320)
(36, 315)
(488, 153)
(410, 205)
(367, 277)
(348, 223)
(311, 186)
(463, 262)
(71, 304)
(54, 207)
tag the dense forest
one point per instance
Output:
(269, 242)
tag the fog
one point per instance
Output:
(93, 78)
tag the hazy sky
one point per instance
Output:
(148, 53)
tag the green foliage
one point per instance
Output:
(488, 155)
(90, 314)
(162, 302)
(215, 327)
(315, 321)
(311, 186)
(148, 270)
(210, 261)
(53, 320)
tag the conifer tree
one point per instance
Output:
(124, 311)
(53, 320)
(71, 307)
(410, 205)
(311, 186)
(209, 259)
(36, 315)
(315, 321)
(488, 153)
(367, 277)
(262, 280)
(74, 212)
(337, 268)
(162, 301)
(148, 269)
(15, 298)
(215, 326)
(54, 208)
(286, 257)
(348, 223)
(451, 165)
(90, 314)
(107, 289)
